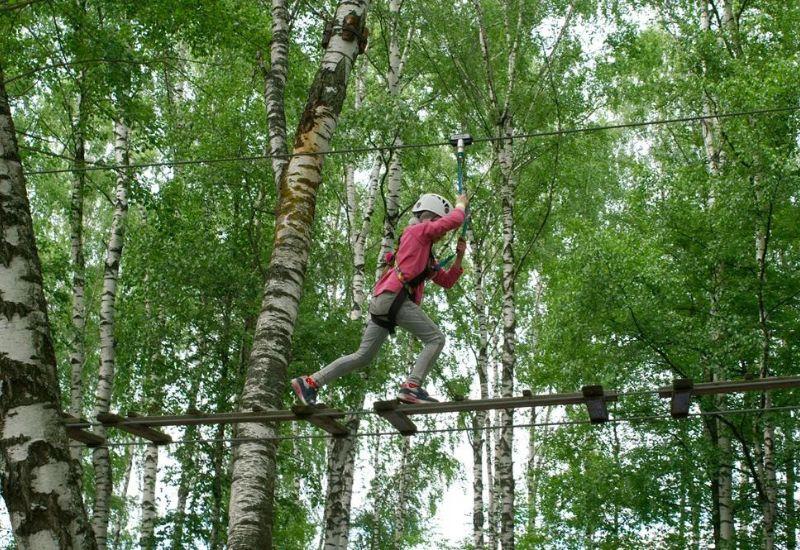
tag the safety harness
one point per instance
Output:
(407, 292)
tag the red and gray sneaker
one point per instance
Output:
(306, 389)
(412, 393)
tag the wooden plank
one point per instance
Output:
(738, 386)
(517, 402)
(141, 430)
(682, 389)
(595, 403)
(260, 415)
(316, 415)
(390, 410)
(77, 430)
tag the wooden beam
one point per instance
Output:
(520, 402)
(595, 404)
(682, 389)
(391, 411)
(738, 386)
(136, 428)
(319, 415)
(77, 430)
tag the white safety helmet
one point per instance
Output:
(433, 203)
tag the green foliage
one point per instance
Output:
(635, 259)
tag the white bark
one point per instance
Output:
(40, 483)
(402, 478)
(77, 354)
(395, 169)
(253, 477)
(123, 491)
(505, 459)
(100, 457)
(480, 437)
(149, 513)
(790, 505)
(715, 156)
(338, 498)
(274, 88)
(359, 245)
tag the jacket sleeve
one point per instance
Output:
(446, 279)
(434, 230)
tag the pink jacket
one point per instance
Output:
(413, 254)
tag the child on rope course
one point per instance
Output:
(396, 300)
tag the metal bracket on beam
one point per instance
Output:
(681, 397)
(76, 430)
(398, 419)
(110, 420)
(595, 403)
(327, 422)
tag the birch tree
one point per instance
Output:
(253, 476)
(38, 473)
(100, 458)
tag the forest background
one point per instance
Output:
(625, 257)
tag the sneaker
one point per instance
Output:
(411, 393)
(306, 389)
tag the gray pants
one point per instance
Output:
(411, 318)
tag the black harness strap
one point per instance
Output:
(407, 292)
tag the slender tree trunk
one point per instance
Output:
(77, 356)
(480, 435)
(359, 244)
(153, 399)
(722, 486)
(492, 453)
(187, 468)
(274, 90)
(769, 481)
(791, 487)
(100, 458)
(123, 491)
(501, 110)
(341, 468)
(253, 481)
(149, 513)
(403, 475)
(41, 485)
(505, 471)
(218, 518)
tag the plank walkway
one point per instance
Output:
(595, 398)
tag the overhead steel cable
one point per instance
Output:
(359, 150)
(621, 420)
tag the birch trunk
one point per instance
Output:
(100, 458)
(767, 468)
(187, 466)
(41, 485)
(153, 399)
(395, 169)
(400, 511)
(501, 110)
(723, 497)
(218, 519)
(77, 355)
(150, 471)
(492, 452)
(123, 491)
(481, 436)
(359, 244)
(253, 477)
(274, 90)
(505, 472)
(791, 485)
(338, 498)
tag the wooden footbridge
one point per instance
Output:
(398, 414)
